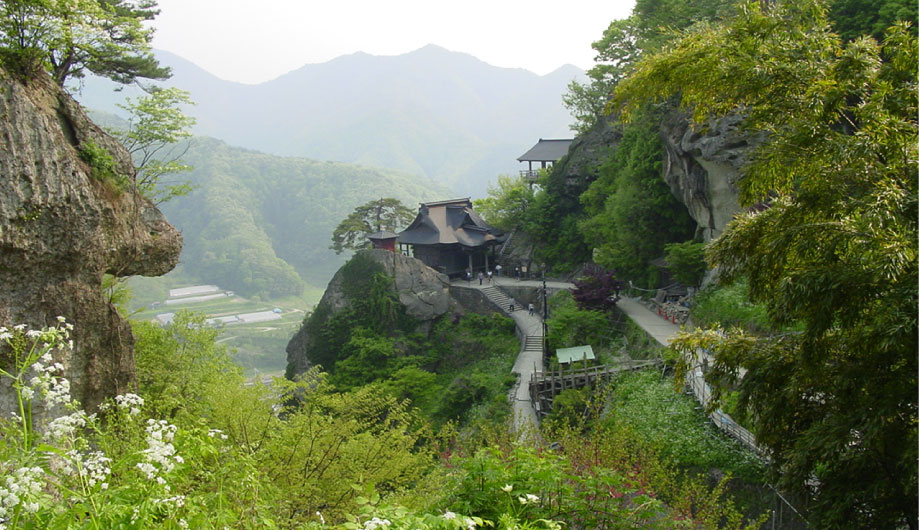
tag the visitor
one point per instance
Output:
(530, 308)
(498, 270)
(489, 277)
(517, 273)
(481, 277)
(512, 306)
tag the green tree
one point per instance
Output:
(835, 252)
(67, 38)
(507, 202)
(156, 127)
(374, 216)
(630, 212)
(687, 262)
(180, 366)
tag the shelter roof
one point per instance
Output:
(576, 353)
(384, 234)
(546, 151)
(449, 222)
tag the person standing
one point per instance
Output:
(489, 277)
(530, 308)
(517, 273)
(481, 277)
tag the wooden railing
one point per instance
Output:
(544, 386)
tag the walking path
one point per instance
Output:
(530, 358)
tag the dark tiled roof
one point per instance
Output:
(449, 222)
(385, 234)
(546, 151)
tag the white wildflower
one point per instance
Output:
(449, 515)
(33, 333)
(130, 402)
(529, 499)
(376, 522)
(507, 488)
(26, 393)
(65, 426)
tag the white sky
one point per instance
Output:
(251, 41)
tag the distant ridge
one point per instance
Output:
(444, 115)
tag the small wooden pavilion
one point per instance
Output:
(385, 240)
(450, 237)
(546, 153)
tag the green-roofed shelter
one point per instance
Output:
(574, 354)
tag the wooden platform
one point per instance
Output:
(544, 386)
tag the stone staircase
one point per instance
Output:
(533, 343)
(499, 298)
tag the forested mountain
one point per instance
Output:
(261, 224)
(443, 115)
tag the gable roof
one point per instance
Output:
(449, 222)
(546, 151)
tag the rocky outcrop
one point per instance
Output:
(702, 167)
(423, 292)
(61, 230)
(580, 167)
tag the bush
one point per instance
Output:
(729, 306)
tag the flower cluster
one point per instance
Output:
(528, 499)
(375, 523)
(96, 469)
(20, 489)
(130, 402)
(160, 451)
(65, 427)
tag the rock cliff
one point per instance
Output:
(424, 292)
(61, 230)
(702, 167)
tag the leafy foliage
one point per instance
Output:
(631, 213)
(101, 164)
(383, 214)
(155, 128)
(835, 252)
(596, 289)
(687, 262)
(568, 325)
(507, 203)
(66, 38)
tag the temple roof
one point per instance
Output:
(449, 222)
(546, 151)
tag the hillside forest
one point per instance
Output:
(804, 306)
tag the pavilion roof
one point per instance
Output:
(449, 222)
(546, 151)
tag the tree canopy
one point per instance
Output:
(833, 257)
(68, 38)
(374, 216)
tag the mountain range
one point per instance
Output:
(442, 115)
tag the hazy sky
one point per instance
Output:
(251, 41)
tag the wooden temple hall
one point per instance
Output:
(450, 237)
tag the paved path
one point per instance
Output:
(529, 359)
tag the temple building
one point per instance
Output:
(545, 153)
(450, 237)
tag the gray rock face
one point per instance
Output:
(702, 168)
(61, 229)
(424, 292)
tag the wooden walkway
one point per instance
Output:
(544, 386)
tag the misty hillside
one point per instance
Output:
(262, 224)
(443, 115)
